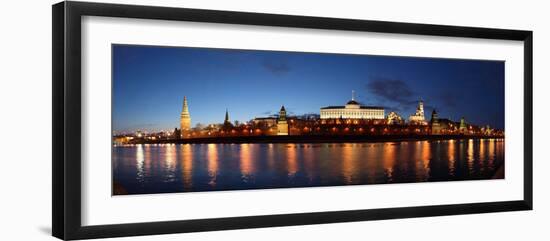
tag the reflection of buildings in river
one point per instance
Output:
(271, 156)
(435, 163)
(425, 154)
(483, 155)
(482, 146)
(451, 156)
(326, 152)
(187, 165)
(140, 162)
(461, 152)
(212, 155)
(437, 149)
(292, 165)
(405, 149)
(389, 159)
(309, 161)
(307, 164)
(416, 151)
(246, 161)
(470, 155)
(170, 163)
(498, 153)
(492, 153)
(422, 160)
(499, 147)
(349, 163)
(422, 168)
(372, 159)
(147, 160)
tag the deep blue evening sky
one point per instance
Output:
(149, 84)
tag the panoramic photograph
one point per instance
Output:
(188, 119)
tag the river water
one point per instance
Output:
(165, 168)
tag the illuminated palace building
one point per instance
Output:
(352, 110)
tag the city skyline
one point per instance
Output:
(149, 84)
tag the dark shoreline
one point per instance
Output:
(310, 139)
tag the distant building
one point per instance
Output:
(309, 116)
(282, 124)
(394, 118)
(447, 125)
(177, 133)
(418, 116)
(185, 118)
(267, 121)
(352, 110)
(487, 130)
(436, 126)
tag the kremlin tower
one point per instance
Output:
(282, 124)
(185, 118)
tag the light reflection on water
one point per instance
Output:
(186, 155)
(212, 157)
(208, 167)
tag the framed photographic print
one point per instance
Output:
(170, 120)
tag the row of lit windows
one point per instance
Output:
(353, 113)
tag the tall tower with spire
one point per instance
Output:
(226, 122)
(420, 109)
(282, 124)
(185, 117)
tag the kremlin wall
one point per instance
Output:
(349, 120)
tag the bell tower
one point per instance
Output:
(420, 109)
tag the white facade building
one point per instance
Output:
(352, 110)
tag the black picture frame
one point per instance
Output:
(66, 169)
